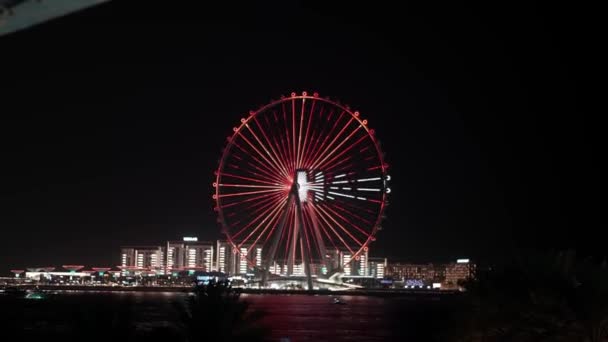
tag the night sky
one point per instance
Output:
(113, 119)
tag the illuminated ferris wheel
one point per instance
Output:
(299, 178)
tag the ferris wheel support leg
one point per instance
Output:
(319, 239)
(275, 243)
(303, 247)
(291, 258)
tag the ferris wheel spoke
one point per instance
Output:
(327, 235)
(287, 140)
(292, 246)
(331, 228)
(259, 166)
(298, 165)
(257, 203)
(314, 144)
(324, 135)
(250, 199)
(305, 245)
(276, 163)
(340, 170)
(347, 149)
(253, 209)
(290, 232)
(353, 204)
(278, 236)
(268, 163)
(293, 126)
(279, 160)
(278, 142)
(309, 148)
(251, 186)
(346, 231)
(356, 216)
(280, 145)
(316, 233)
(320, 148)
(326, 232)
(247, 193)
(308, 227)
(268, 216)
(262, 212)
(337, 147)
(306, 134)
(285, 146)
(274, 227)
(339, 163)
(260, 215)
(323, 152)
(256, 180)
(348, 221)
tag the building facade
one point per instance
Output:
(143, 257)
(458, 271)
(446, 274)
(190, 254)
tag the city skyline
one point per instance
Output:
(115, 138)
(191, 253)
(191, 258)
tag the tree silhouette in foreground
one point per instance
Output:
(536, 297)
(215, 312)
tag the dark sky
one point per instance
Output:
(113, 119)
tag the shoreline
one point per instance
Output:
(175, 289)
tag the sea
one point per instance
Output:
(285, 318)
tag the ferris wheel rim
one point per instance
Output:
(273, 103)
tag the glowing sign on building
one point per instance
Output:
(190, 239)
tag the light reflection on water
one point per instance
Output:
(297, 317)
(317, 318)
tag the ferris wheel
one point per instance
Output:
(299, 178)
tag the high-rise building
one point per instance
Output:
(357, 266)
(193, 255)
(190, 254)
(409, 271)
(457, 271)
(224, 257)
(377, 267)
(199, 255)
(249, 258)
(363, 263)
(143, 257)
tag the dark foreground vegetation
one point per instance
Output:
(534, 297)
(211, 313)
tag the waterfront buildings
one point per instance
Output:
(191, 257)
(431, 275)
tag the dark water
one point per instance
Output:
(315, 318)
(293, 318)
